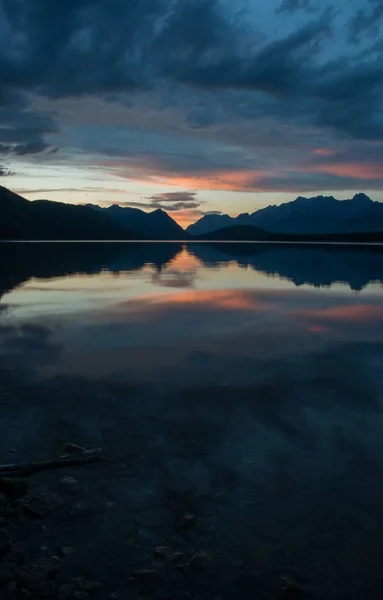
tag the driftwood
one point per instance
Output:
(66, 461)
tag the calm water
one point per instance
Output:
(248, 376)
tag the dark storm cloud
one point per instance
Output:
(219, 68)
(184, 197)
(173, 202)
(169, 201)
(22, 128)
(78, 46)
(366, 21)
(4, 171)
(294, 5)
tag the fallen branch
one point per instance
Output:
(67, 461)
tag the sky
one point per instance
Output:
(193, 106)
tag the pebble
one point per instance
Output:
(67, 551)
(163, 552)
(152, 517)
(3, 500)
(5, 577)
(72, 449)
(199, 560)
(65, 592)
(189, 520)
(10, 591)
(43, 505)
(6, 542)
(149, 575)
(13, 487)
(81, 596)
(290, 589)
(69, 481)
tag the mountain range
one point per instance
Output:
(304, 216)
(21, 219)
(304, 219)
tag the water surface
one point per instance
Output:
(247, 379)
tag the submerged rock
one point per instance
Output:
(290, 589)
(146, 575)
(72, 449)
(199, 560)
(43, 505)
(6, 542)
(13, 487)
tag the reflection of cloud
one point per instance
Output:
(29, 346)
(318, 329)
(211, 300)
(357, 313)
(174, 278)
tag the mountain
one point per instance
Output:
(156, 225)
(250, 233)
(318, 215)
(237, 233)
(47, 220)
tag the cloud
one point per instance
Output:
(196, 94)
(175, 201)
(294, 5)
(185, 197)
(5, 172)
(366, 21)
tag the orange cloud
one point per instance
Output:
(352, 169)
(324, 151)
(150, 171)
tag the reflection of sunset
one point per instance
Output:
(318, 329)
(212, 299)
(362, 313)
(184, 261)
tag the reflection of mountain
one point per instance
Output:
(21, 261)
(313, 265)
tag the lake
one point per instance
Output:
(236, 391)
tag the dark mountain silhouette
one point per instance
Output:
(318, 215)
(248, 233)
(315, 265)
(236, 233)
(46, 220)
(156, 224)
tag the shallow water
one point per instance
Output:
(248, 376)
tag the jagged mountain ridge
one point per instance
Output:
(316, 215)
(21, 219)
(156, 224)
